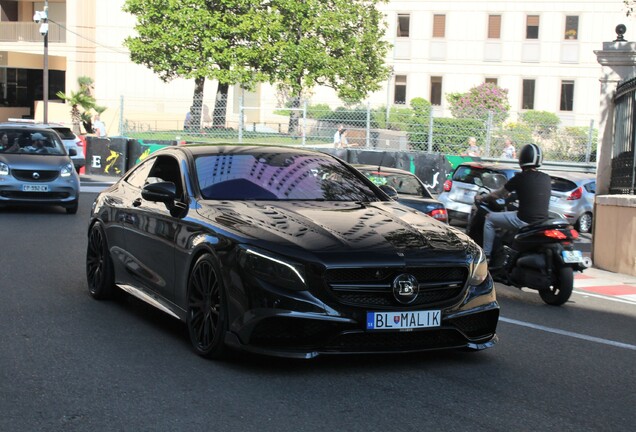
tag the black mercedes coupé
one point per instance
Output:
(287, 252)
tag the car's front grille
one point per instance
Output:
(28, 175)
(27, 196)
(374, 286)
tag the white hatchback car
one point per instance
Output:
(573, 198)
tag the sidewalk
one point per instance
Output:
(597, 281)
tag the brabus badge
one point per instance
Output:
(405, 288)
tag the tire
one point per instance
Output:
(99, 266)
(584, 224)
(206, 309)
(562, 290)
(73, 208)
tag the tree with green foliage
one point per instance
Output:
(543, 123)
(81, 102)
(333, 43)
(199, 39)
(479, 101)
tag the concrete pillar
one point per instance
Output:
(618, 61)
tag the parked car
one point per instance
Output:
(287, 252)
(35, 169)
(412, 192)
(459, 191)
(70, 140)
(573, 198)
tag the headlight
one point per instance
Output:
(275, 270)
(478, 266)
(67, 170)
(4, 169)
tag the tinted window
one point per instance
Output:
(278, 176)
(562, 185)
(139, 175)
(403, 183)
(468, 174)
(36, 142)
(591, 187)
(64, 133)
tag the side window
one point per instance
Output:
(138, 177)
(591, 187)
(166, 169)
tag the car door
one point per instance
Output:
(151, 232)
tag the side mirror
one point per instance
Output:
(390, 191)
(165, 192)
(72, 152)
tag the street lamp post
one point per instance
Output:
(42, 18)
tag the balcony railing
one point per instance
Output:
(30, 32)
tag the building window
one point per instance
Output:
(403, 25)
(532, 27)
(436, 91)
(494, 26)
(399, 90)
(439, 26)
(571, 27)
(494, 81)
(527, 98)
(567, 96)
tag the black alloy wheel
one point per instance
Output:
(561, 291)
(206, 319)
(99, 267)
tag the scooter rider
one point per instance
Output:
(533, 192)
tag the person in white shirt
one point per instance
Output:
(337, 142)
(509, 151)
(99, 127)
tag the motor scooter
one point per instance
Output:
(539, 256)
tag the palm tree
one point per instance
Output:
(83, 99)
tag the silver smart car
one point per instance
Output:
(35, 169)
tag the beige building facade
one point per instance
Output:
(542, 52)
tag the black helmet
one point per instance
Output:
(530, 156)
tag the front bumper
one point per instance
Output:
(61, 191)
(301, 325)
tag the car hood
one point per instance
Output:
(25, 161)
(335, 230)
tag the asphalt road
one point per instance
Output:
(71, 363)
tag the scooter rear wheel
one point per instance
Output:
(559, 293)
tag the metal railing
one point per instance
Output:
(24, 31)
(374, 128)
(623, 175)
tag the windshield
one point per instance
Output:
(404, 184)
(279, 176)
(35, 142)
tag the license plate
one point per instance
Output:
(574, 256)
(465, 196)
(35, 188)
(403, 320)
